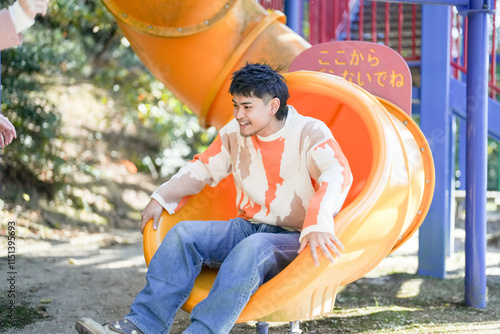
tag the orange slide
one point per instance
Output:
(193, 47)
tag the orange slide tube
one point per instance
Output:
(193, 46)
(390, 159)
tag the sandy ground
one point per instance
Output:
(78, 278)
(98, 276)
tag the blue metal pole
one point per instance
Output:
(477, 143)
(293, 12)
(262, 327)
(453, 149)
(462, 155)
(436, 122)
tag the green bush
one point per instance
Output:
(79, 41)
(33, 159)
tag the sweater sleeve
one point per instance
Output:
(8, 35)
(330, 171)
(207, 168)
(20, 19)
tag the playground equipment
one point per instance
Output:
(194, 53)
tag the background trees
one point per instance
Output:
(78, 46)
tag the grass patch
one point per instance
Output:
(20, 314)
(407, 303)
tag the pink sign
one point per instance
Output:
(375, 67)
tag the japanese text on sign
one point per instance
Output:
(367, 61)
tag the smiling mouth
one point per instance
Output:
(244, 123)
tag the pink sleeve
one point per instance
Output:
(8, 36)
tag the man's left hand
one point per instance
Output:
(326, 242)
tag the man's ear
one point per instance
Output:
(275, 105)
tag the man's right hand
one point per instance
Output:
(7, 131)
(34, 7)
(152, 211)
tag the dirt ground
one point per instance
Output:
(98, 275)
(94, 275)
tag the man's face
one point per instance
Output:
(255, 116)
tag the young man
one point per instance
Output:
(291, 179)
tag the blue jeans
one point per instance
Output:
(246, 254)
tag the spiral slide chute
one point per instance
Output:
(193, 47)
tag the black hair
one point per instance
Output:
(261, 81)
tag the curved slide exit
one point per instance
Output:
(193, 47)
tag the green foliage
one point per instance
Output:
(79, 41)
(34, 158)
(493, 165)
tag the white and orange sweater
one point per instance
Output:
(297, 178)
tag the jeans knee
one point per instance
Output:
(265, 251)
(252, 248)
(177, 237)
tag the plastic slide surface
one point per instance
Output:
(194, 53)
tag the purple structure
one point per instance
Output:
(477, 145)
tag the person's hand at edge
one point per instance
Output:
(7, 131)
(34, 7)
(325, 242)
(152, 211)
